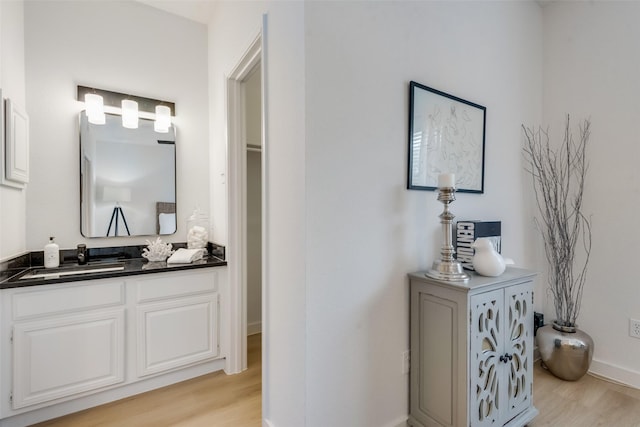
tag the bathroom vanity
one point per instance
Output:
(69, 343)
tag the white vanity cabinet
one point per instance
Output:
(69, 346)
(66, 340)
(176, 322)
(472, 351)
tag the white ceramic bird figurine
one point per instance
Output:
(487, 261)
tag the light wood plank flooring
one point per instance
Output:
(588, 402)
(216, 399)
(235, 401)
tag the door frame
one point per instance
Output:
(237, 197)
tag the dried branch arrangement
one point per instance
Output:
(558, 176)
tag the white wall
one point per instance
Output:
(12, 82)
(336, 330)
(365, 231)
(253, 111)
(233, 29)
(253, 108)
(591, 69)
(126, 47)
(254, 242)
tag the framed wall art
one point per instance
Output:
(15, 148)
(446, 135)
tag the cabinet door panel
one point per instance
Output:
(176, 333)
(437, 374)
(176, 285)
(81, 296)
(63, 356)
(519, 337)
(486, 368)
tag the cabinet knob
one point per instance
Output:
(506, 357)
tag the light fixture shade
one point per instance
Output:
(116, 194)
(163, 119)
(94, 107)
(129, 114)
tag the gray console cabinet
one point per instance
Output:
(472, 351)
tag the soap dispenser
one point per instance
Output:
(51, 254)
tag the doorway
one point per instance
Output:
(246, 204)
(252, 88)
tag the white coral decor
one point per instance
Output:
(157, 250)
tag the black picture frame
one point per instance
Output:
(446, 135)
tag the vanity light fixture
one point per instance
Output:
(129, 114)
(94, 105)
(131, 107)
(163, 119)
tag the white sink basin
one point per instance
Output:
(49, 273)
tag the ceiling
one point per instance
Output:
(196, 10)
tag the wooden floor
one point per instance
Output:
(216, 399)
(235, 401)
(588, 402)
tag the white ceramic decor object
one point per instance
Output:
(157, 250)
(486, 260)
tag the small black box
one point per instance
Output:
(538, 321)
(467, 232)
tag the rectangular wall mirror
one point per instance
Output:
(127, 179)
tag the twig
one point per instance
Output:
(558, 177)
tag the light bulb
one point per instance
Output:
(94, 107)
(163, 119)
(129, 114)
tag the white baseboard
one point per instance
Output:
(400, 422)
(254, 328)
(615, 373)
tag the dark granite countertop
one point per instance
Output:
(132, 267)
(11, 272)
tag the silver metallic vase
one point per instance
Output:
(565, 350)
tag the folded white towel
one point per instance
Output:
(185, 256)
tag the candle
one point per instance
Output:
(446, 180)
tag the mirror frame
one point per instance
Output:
(155, 215)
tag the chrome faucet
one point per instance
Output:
(82, 253)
